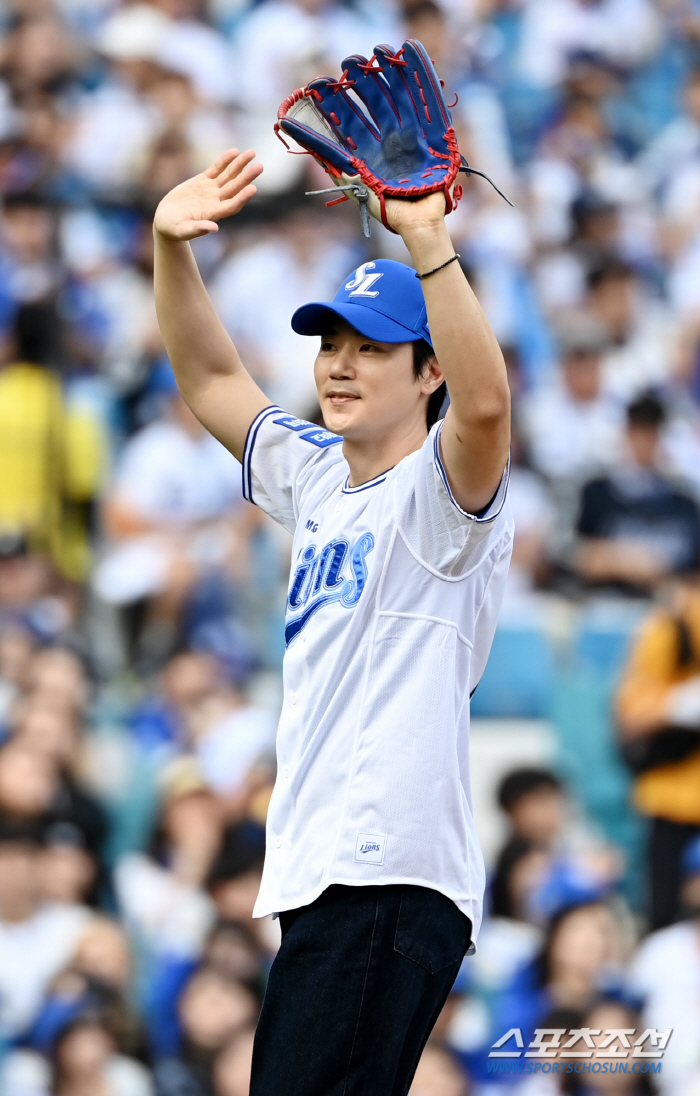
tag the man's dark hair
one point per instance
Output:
(609, 270)
(242, 849)
(522, 782)
(39, 334)
(646, 410)
(422, 354)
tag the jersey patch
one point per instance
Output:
(320, 579)
(369, 848)
(316, 435)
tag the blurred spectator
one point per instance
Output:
(635, 525)
(68, 869)
(607, 1013)
(623, 31)
(85, 1059)
(234, 881)
(159, 892)
(169, 514)
(576, 866)
(234, 744)
(573, 428)
(134, 782)
(232, 1066)
(533, 514)
(583, 953)
(658, 711)
(508, 938)
(213, 1010)
(16, 649)
(52, 454)
(159, 721)
(37, 938)
(678, 143)
(666, 973)
(640, 328)
(304, 260)
(438, 1074)
(534, 801)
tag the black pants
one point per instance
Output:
(357, 985)
(666, 843)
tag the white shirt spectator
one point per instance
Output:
(167, 475)
(645, 359)
(169, 915)
(113, 128)
(229, 749)
(180, 482)
(201, 53)
(256, 292)
(624, 31)
(666, 971)
(32, 952)
(25, 1073)
(571, 438)
(279, 45)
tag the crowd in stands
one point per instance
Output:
(141, 598)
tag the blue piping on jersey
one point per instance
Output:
(248, 447)
(347, 490)
(443, 476)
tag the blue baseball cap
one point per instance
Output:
(383, 300)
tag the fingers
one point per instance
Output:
(215, 169)
(235, 166)
(234, 186)
(233, 205)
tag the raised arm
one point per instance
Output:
(210, 375)
(475, 438)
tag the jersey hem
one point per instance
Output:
(466, 907)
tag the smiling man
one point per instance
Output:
(402, 539)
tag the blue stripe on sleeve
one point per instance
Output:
(249, 445)
(502, 487)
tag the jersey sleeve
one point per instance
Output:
(438, 531)
(283, 457)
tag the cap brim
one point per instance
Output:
(317, 319)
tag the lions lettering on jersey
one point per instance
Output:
(319, 580)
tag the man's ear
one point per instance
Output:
(432, 376)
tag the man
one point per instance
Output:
(665, 974)
(401, 548)
(636, 526)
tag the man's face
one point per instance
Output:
(644, 444)
(366, 388)
(582, 374)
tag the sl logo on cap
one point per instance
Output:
(361, 284)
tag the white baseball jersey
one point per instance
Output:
(392, 606)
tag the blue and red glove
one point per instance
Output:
(383, 130)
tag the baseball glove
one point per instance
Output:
(383, 130)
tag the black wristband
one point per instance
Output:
(429, 272)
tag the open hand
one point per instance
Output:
(193, 208)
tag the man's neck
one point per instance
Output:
(367, 460)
